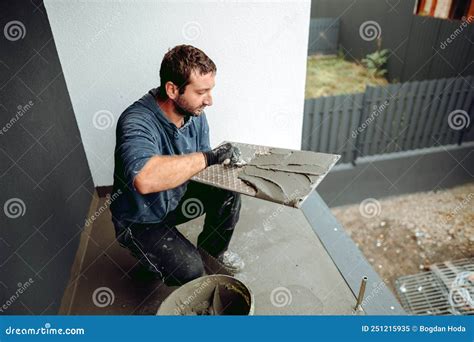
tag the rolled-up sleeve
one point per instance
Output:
(136, 144)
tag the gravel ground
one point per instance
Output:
(405, 234)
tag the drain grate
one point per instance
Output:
(446, 289)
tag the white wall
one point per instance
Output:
(111, 52)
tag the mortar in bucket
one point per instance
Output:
(209, 295)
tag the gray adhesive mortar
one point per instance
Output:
(286, 176)
(215, 294)
(278, 175)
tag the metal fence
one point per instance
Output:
(421, 47)
(385, 119)
(323, 36)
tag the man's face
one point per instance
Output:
(197, 94)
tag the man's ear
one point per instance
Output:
(171, 90)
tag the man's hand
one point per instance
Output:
(222, 153)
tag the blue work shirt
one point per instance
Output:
(144, 131)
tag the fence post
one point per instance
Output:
(461, 134)
(355, 153)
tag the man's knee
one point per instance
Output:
(236, 201)
(229, 199)
(189, 270)
(230, 205)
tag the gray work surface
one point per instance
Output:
(285, 264)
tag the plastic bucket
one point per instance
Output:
(209, 295)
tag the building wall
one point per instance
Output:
(393, 174)
(46, 186)
(111, 52)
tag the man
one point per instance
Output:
(162, 140)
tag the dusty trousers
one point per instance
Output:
(163, 250)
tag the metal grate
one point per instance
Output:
(446, 289)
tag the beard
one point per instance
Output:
(184, 109)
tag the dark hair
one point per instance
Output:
(179, 62)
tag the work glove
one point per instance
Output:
(221, 154)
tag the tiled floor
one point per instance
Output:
(287, 268)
